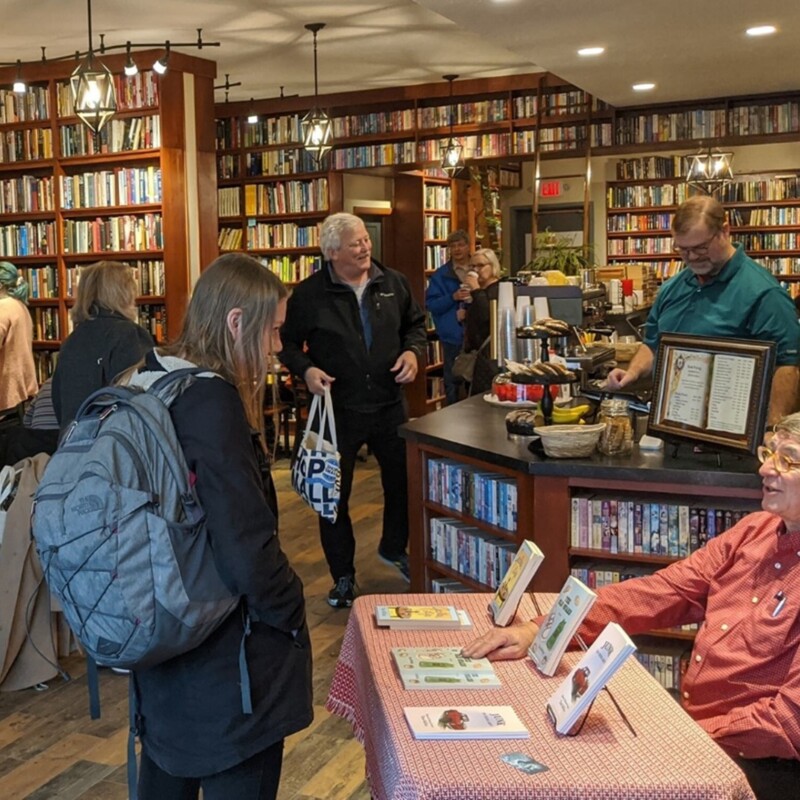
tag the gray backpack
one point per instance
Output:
(121, 535)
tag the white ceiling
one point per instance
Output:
(689, 48)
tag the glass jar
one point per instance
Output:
(617, 437)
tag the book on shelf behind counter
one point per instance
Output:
(579, 689)
(571, 606)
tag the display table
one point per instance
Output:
(671, 756)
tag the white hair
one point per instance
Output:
(332, 229)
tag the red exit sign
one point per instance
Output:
(551, 188)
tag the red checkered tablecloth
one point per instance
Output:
(671, 758)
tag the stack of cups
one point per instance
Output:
(508, 337)
(525, 347)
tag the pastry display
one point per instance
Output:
(542, 372)
(543, 328)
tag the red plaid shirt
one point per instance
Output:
(743, 683)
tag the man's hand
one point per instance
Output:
(618, 379)
(461, 314)
(462, 295)
(501, 644)
(405, 367)
(316, 380)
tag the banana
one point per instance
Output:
(569, 415)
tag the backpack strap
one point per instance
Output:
(172, 384)
(134, 730)
(93, 683)
(244, 674)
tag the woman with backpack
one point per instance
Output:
(193, 730)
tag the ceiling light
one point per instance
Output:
(452, 162)
(709, 170)
(316, 125)
(761, 30)
(643, 87)
(130, 65)
(591, 51)
(160, 65)
(19, 84)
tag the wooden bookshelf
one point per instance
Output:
(71, 197)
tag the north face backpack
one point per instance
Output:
(120, 533)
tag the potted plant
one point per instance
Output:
(554, 252)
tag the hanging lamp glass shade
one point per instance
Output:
(452, 162)
(317, 130)
(93, 93)
(709, 171)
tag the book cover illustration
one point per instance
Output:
(418, 617)
(516, 580)
(414, 681)
(576, 693)
(465, 722)
(571, 606)
(437, 660)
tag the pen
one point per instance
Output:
(781, 598)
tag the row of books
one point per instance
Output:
(495, 110)
(767, 190)
(154, 319)
(292, 269)
(228, 167)
(483, 495)
(640, 222)
(27, 193)
(42, 281)
(651, 167)
(271, 130)
(765, 217)
(286, 197)
(623, 197)
(150, 277)
(628, 526)
(436, 227)
(433, 352)
(227, 134)
(230, 238)
(438, 197)
(119, 135)
(373, 122)
(229, 201)
(374, 155)
(639, 246)
(46, 324)
(470, 551)
(675, 126)
(111, 187)
(755, 242)
(435, 255)
(44, 362)
(124, 233)
(781, 266)
(448, 586)
(475, 146)
(434, 388)
(667, 668)
(756, 120)
(26, 144)
(280, 162)
(28, 239)
(136, 91)
(33, 104)
(262, 235)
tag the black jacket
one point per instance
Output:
(92, 356)
(324, 316)
(191, 706)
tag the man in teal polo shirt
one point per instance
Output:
(722, 293)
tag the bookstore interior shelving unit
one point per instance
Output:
(69, 197)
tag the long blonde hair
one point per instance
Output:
(106, 284)
(232, 281)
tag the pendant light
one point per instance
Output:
(316, 125)
(92, 87)
(709, 170)
(452, 162)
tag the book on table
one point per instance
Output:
(442, 668)
(519, 574)
(407, 617)
(579, 689)
(470, 722)
(571, 606)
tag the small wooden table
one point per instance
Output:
(671, 756)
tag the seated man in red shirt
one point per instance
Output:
(743, 587)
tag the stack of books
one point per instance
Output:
(442, 668)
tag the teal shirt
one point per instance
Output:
(744, 301)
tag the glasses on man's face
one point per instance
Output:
(695, 250)
(780, 461)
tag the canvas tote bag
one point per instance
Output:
(316, 469)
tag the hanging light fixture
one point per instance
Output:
(130, 67)
(19, 83)
(92, 87)
(709, 170)
(316, 125)
(452, 162)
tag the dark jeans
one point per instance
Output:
(378, 430)
(254, 779)
(449, 353)
(772, 778)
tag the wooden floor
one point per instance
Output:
(51, 750)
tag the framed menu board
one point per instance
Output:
(713, 390)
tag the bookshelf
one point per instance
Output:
(763, 211)
(71, 198)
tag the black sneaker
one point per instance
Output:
(400, 563)
(343, 593)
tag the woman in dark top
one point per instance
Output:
(194, 733)
(106, 339)
(482, 279)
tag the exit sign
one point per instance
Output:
(551, 188)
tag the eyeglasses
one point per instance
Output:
(781, 462)
(697, 249)
(482, 264)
